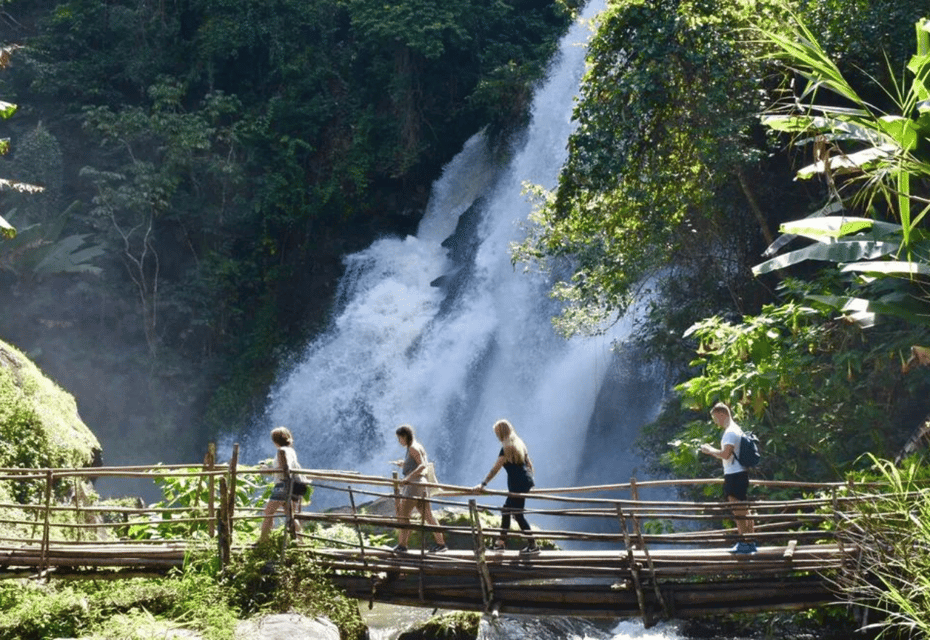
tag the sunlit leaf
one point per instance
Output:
(890, 267)
(830, 227)
(846, 251)
(849, 163)
(22, 187)
(864, 312)
(791, 124)
(6, 54)
(6, 229)
(7, 109)
(902, 130)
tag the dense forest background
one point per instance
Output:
(207, 163)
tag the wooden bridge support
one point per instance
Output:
(633, 574)
(484, 575)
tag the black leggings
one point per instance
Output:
(514, 507)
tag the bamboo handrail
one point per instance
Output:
(694, 551)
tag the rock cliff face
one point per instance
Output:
(39, 422)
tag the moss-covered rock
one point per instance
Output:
(461, 625)
(39, 423)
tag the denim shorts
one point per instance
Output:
(298, 490)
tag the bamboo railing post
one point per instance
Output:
(395, 483)
(421, 509)
(46, 527)
(290, 530)
(77, 507)
(836, 518)
(361, 548)
(634, 494)
(484, 575)
(222, 525)
(634, 567)
(209, 463)
(231, 494)
(642, 545)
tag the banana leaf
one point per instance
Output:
(890, 267)
(826, 228)
(864, 312)
(840, 251)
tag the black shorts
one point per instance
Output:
(736, 485)
(298, 490)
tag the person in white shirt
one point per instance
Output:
(735, 476)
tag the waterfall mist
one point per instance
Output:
(441, 331)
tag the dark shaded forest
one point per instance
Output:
(206, 165)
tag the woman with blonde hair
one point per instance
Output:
(286, 456)
(515, 459)
(414, 494)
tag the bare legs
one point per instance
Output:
(423, 506)
(272, 508)
(744, 523)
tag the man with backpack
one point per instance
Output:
(735, 475)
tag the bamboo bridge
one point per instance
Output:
(610, 551)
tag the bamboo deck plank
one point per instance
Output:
(691, 572)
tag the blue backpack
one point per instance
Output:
(749, 451)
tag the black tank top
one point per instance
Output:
(519, 476)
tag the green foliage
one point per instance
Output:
(228, 153)
(192, 494)
(422, 26)
(872, 160)
(194, 598)
(7, 109)
(39, 250)
(818, 392)
(461, 625)
(892, 532)
(39, 423)
(664, 124)
(126, 608)
(259, 583)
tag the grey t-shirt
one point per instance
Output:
(410, 462)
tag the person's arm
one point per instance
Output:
(418, 458)
(723, 454)
(493, 472)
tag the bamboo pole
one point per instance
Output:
(633, 567)
(642, 545)
(289, 525)
(77, 505)
(231, 497)
(484, 574)
(209, 464)
(395, 483)
(222, 525)
(361, 549)
(46, 528)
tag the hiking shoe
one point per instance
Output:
(399, 549)
(529, 549)
(438, 548)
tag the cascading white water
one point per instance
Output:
(439, 330)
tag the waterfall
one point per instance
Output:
(441, 331)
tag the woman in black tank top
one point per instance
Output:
(515, 460)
